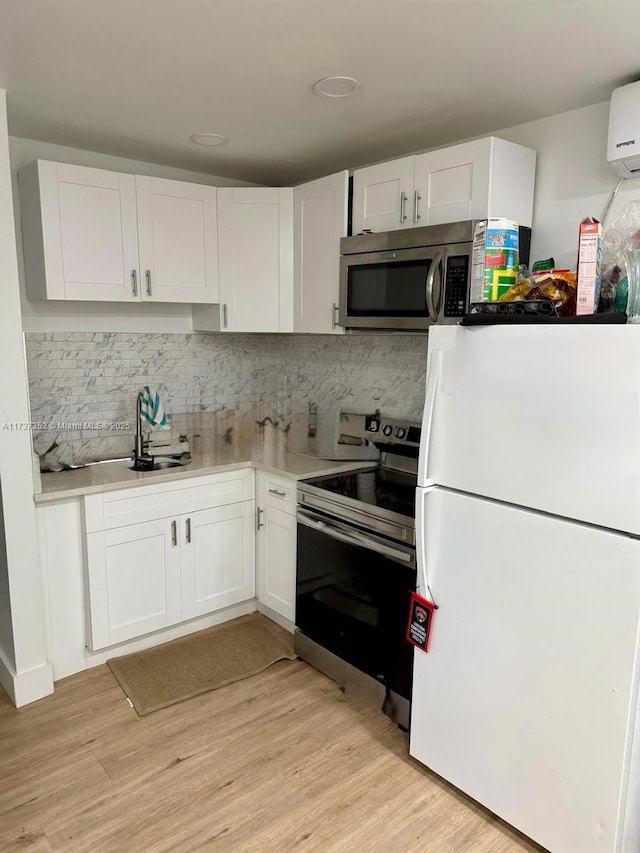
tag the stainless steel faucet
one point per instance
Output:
(142, 460)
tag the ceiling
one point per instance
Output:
(137, 77)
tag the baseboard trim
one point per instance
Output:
(276, 617)
(7, 676)
(101, 656)
(28, 686)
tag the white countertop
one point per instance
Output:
(117, 475)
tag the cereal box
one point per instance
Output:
(589, 255)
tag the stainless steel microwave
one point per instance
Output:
(409, 279)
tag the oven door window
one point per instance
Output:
(388, 289)
(354, 602)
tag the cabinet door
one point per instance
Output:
(133, 581)
(255, 231)
(319, 221)
(88, 233)
(383, 196)
(276, 561)
(218, 558)
(452, 183)
(178, 234)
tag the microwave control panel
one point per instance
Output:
(456, 286)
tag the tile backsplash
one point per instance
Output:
(83, 385)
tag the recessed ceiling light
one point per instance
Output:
(209, 139)
(337, 87)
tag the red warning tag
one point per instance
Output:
(420, 618)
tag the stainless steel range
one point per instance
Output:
(356, 569)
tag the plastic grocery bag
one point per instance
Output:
(621, 258)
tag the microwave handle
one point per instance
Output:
(437, 261)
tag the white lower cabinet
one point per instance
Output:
(218, 558)
(133, 581)
(145, 573)
(148, 576)
(277, 561)
(276, 546)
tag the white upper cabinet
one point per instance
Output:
(178, 239)
(92, 234)
(474, 180)
(383, 195)
(255, 245)
(80, 233)
(319, 221)
(452, 184)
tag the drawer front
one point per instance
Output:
(277, 492)
(146, 503)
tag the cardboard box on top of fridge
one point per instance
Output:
(589, 257)
(494, 267)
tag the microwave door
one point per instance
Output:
(388, 290)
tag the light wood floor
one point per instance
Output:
(282, 761)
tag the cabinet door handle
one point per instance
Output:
(174, 533)
(334, 315)
(148, 277)
(134, 282)
(403, 200)
(188, 531)
(278, 493)
(225, 316)
(259, 521)
(417, 198)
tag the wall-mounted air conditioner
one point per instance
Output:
(623, 147)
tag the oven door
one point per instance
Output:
(352, 597)
(404, 289)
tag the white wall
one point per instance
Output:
(573, 178)
(26, 674)
(87, 316)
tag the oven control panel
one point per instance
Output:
(387, 430)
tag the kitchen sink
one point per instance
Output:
(161, 464)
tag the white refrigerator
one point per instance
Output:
(528, 518)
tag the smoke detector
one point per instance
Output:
(337, 87)
(211, 140)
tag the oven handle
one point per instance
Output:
(431, 308)
(354, 538)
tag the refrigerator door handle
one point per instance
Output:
(422, 582)
(423, 587)
(433, 377)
